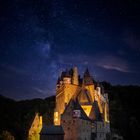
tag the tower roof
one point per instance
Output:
(65, 74)
(95, 112)
(87, 79)
(86, 73)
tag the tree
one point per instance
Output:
(6, 136)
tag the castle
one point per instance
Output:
(81, 110)
(82, 107)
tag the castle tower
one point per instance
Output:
(64, 92)
(67, 77)
(98, 97)
(88, 84)
(85, 100)
(106, 109)
(75, 76)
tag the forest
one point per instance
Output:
(16, 116)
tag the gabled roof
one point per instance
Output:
(52, 130)
(95, 112)
(84, 97)
(74, 105)
(31, 120)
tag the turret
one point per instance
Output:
(87, 80)
(67, 77)
(98, 88)
(75, 79)
(86, 73)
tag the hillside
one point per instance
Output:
(125, 110)
(16, 116)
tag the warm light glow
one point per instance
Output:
(91, 90)
(67, 80)
(40, 120)
(87, 109)
(106, 114)
(63, 96)
(86, 94)
(56, 119)
(98, 99)
(35, 128)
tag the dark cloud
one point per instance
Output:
(114, 63)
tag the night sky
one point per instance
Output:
(40, 38)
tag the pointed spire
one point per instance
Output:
(87, 80)
(95, 112)
(86, 73)
(75, 76)
(67, 74)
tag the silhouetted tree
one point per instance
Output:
(6, 135)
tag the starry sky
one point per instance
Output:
(40, 38)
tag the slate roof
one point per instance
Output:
(87, 79)
(84, 97)
(30, 120)
(52, 130)
(95, 112)
(74, 105)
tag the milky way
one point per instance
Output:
(40, 38)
